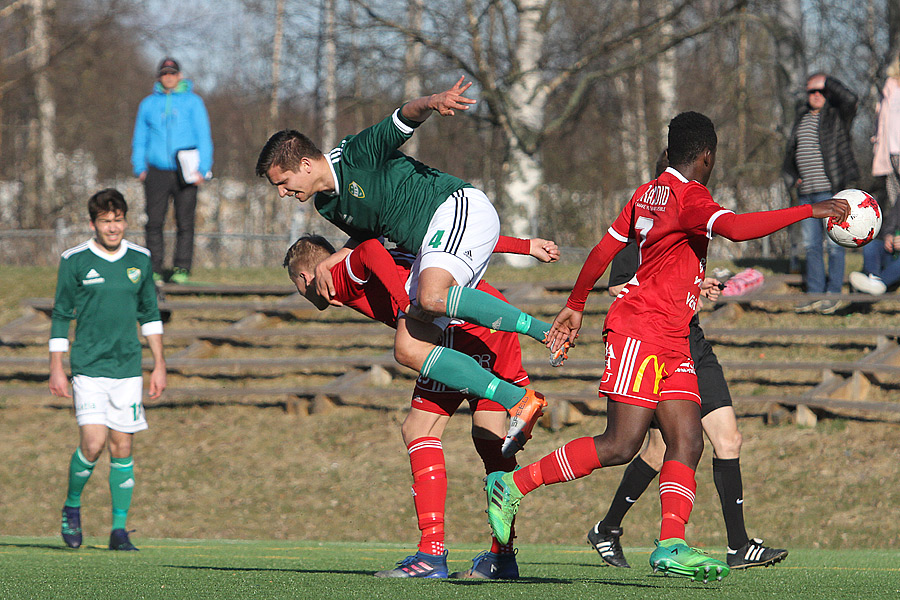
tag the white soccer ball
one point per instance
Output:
(861, 226)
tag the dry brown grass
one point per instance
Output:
(249, 472)
(257, 472)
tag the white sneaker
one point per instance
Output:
(869, 284)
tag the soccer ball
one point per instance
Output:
(861, 226)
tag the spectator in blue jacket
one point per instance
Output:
(172, 154)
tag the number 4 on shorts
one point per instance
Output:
(435, 240)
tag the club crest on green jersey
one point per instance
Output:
(355, 190)
(134, 274)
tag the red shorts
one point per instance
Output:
(496, 351)
(644, 374)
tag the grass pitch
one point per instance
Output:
(43, 568)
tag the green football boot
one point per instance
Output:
(503, 503)
(676, 557)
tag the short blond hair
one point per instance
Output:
(305, 254)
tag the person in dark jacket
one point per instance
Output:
(172, 154)
(819, 161)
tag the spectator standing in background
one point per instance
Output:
(172, 154)
(881, 265)
(819, 161)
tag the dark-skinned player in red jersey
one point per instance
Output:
(648, 363)
(370, 280)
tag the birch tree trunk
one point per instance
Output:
(790, 79)
(329, 122)
(528, 100)
(667, 81)
(630, 89)
(46, 107)
(276, 65)
(412, 85)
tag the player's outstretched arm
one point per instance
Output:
(749, 226)
(444, 103)
(541, 249)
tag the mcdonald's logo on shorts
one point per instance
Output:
(659, 370)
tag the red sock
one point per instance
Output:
(574, 460)
(676, 496)
(426, 458)
(508, 548)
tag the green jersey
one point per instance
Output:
(107, 294)
(379, 191)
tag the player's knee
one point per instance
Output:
(693, 449)
(407, 432)
(119, 449)
(92, 449)
(728, 445)
(433, 302)
(618, 452)
(406, 357)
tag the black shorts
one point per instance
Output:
(710, 378)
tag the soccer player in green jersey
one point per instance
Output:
(369, 189)
(106, 284)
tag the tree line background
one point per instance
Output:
(574, 95)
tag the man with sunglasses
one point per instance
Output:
(819, 161)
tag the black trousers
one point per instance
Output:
(159, 186)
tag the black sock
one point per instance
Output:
(727, 475)
(638, 476)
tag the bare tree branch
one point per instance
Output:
(586, 80)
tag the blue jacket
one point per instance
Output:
(167, 123)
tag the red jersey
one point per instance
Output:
(672, 219)
(370, 281)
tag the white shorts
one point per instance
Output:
(460, 239)
(116, 403)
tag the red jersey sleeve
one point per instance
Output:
(371, 258)
(699, 211)
(749, 226)
(595, 265)
(511, 245)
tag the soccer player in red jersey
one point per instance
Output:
(649, 370)
(370, 280)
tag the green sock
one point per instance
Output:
(121, 485)
(460, 372)
(80, 470)
(483, 309)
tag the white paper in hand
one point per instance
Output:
(189, 164)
